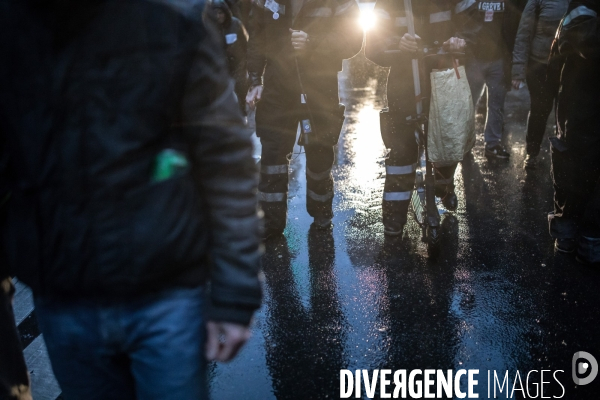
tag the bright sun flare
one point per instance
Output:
(367, 19)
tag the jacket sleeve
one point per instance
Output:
(257, 59)
(468, 23)
(241, 56)
(382, 36)
(579, 31)
(344, 39)
(226, 173)
(525, 35)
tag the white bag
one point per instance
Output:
(451, 117)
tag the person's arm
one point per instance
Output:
(241, 51)
(226, 174)
(343, 38)
(382, 37)
(468, 22)
(580, 30)
(257, 59)
(525, 34)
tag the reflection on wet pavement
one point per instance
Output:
(497, 299)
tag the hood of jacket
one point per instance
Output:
(222, 5)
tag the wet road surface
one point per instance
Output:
(498, 298)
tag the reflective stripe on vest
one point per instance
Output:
(271, 197)
(319, 197)
(397, 196)
(400, 170)
(274, 169)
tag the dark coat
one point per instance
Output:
(434, 23)
(236, 44)
(537, 28)
(95, 90)
(234, 7)
(334, 34)
(577, 48)
(490, 40)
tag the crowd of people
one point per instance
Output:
(131, 203)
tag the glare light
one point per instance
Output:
(367, 19)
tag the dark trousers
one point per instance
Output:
(489, 74)
(576, 175)
(542, 93)
(277, 126)
(400, 167)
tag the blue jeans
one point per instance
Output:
(490, 74)
(151, 347)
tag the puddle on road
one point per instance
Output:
(352, 298)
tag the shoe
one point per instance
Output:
(450, 201)
(322, 222)
(530, 162)
(588, 250)
(446, 193)
(498, 151)
(566, 246)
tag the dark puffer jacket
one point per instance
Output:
(536, 32)
(95, 90)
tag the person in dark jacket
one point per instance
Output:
(298, 48)
(488, 28)
(240, 9)
(530, 63)
(434, 29)
(234, 7)
(132, 183)
(236, 42)
(245, 7)
(575, 222)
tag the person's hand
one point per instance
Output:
(517, 83)
(409, 43)
(254, 95)
(454, 44)
(224, 340)
(299, 39)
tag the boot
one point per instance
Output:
(588, 250)
(446, 193)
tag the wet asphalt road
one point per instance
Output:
(498, 298)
